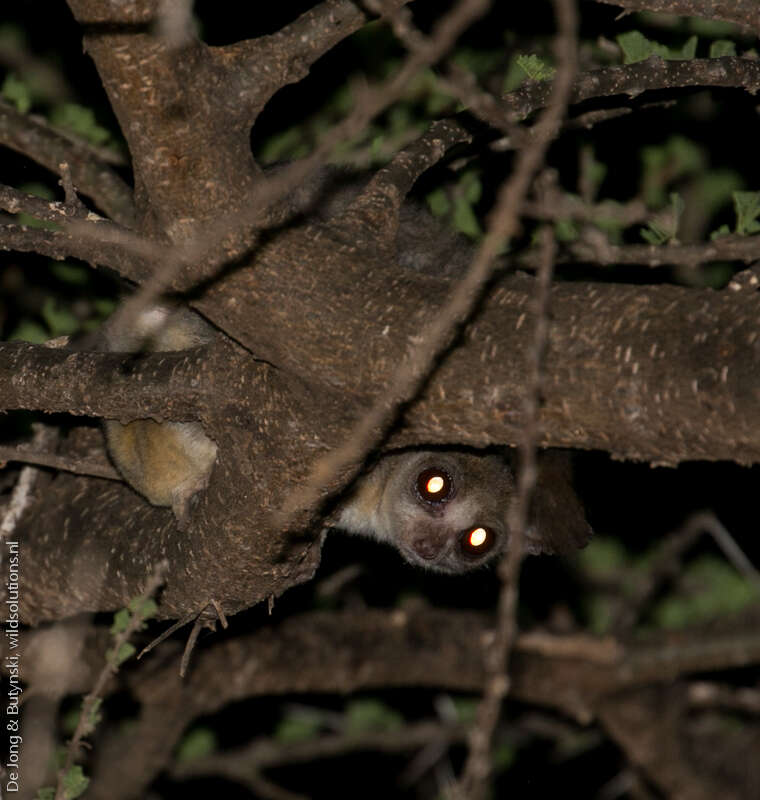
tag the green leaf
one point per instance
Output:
(29, 331)
(464, 218)
(593, 171)
(566, 230)
(636, 47)
(93, 717)
(599, 613)
(503, 757)
(145, 608)
(747, 207)
(514, 76)
(126, 650)
(81, 121)
(16, 92)
(466, 709)
(46, 793)
(298, 728)
(470, 186)
(60, 321)
(722, 47)
(120, 621)
(710, 28)
(197, 743)
(74, 783)
(535, 68)
(662, 231)
(708, 587)
(724, 230)
(479, 62)
(603, 557)
(72, 274)
(716, 187)
(371, 715)
(668, 162)
(438, 202)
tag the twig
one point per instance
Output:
(709, 522)
(15, 201)
(93, 698)
(473, 781)
(667, 564)
(199, 619)
(35, 138)
(246, 764)
(596, 249)
(21, 496)
(703, 694)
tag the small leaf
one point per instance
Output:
(464, 219)
(145, 608)
(722, 47)
(466, 709)
(17, 92)
(438, 202)
(708, 587)
(197, 743)
(503, 757)
(29, 331)
(603, 557)
(665, 229)
(81, 121)
(70, 273)
(120, 621)
(566, 230)
(46, 793)
(126, 650)
(635, 46)
(724, 230)
(93, 717)
(747, 207)
(470, 186)
(371, 715)
(535, 68)
(298, 728)
(75, 783)
(60, 321)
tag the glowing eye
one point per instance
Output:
(434, 485)
(477, 541)
(477, 537)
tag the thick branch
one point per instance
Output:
(96, 250)
(673, 371)
(650, 75)
(190, 151)
(171, 386)
(263, 66)
(742, 12)
(349, 652)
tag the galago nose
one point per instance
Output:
(426, 548)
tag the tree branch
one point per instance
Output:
(270, 62)
(34, 138)
(742, 12)
(344, 652)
